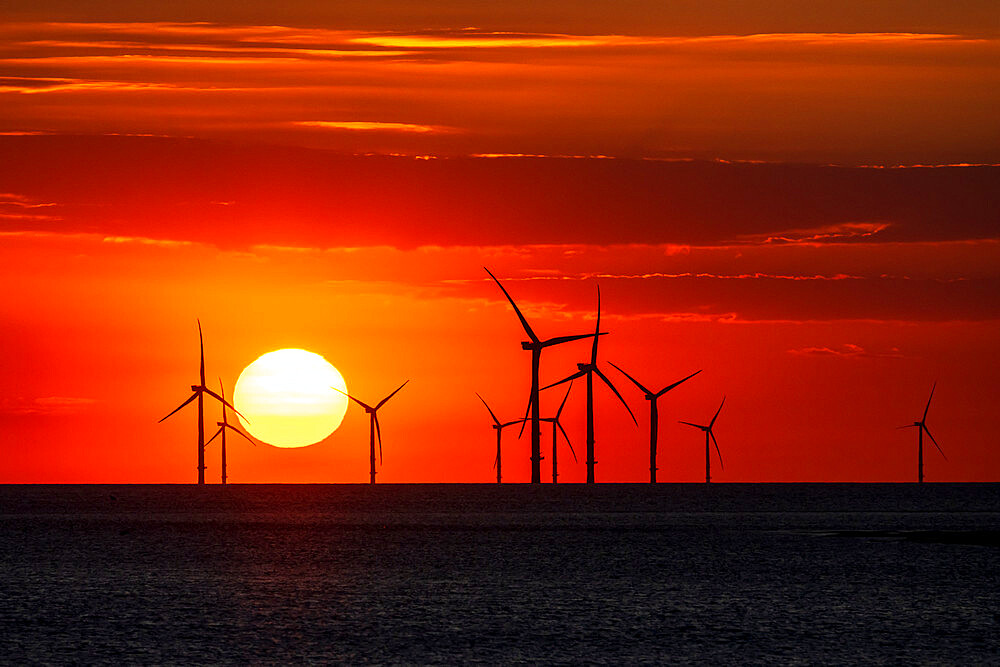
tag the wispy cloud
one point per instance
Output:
(32, 86)
(839, 233)
(45, 405)
(367, 126)
(556, 275)
(845, 351)
(17, 207)
(140, 240)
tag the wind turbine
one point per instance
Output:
(535, 346)
(921, 427)
(589, 369)
(654, 419)
(709, 434)
(557, 427)
(498, 427)
(199, 391)
(374, 428)
(223, 425)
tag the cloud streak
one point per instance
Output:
(368, 126)
(845, 351)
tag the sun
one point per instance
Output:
(288, 398)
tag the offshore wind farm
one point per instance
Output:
(744, 255)
(532, 415)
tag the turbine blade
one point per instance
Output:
(495, 459)
(201, 343)
(566, 437)
(928, 432)
(378, 434)
(382, 402)
(608, 382)
(190, 398)
(511, 423)
(222, 391)
(495, 420)
(597, 329)
(224, 402)
(679, 382)
(563, 404)
(717, 451)
(233, 428)
(929, 402)
(358, 401)
(634, 381)
(568, 378)
(524, 422)
(524, 322)
(692, 424)
(214, 437)
(907, 426)
(559, 340)
(712, 423)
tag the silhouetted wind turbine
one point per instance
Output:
(223, 425)
(375, 430)
(498, 427)
(654, 418)
(535, 346)
(921, 427)
(556, 428)
(589, 369)
(199, 391)
(709, 434)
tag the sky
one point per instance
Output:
(802, 200)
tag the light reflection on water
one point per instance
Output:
(462, 573)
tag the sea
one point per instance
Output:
(499, 574)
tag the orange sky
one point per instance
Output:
(801, 202)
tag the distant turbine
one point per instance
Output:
(535, 346)
(498, 427)
(589, 369)
(199, 391)
(374, 429)
(709, 434)
(558, 428)
(223, 425)
(654, 419)
(921, 427)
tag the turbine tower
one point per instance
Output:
(589, 370)
(199, 390)
(921, 427)
(374, 429)
(498, 427)
(223, 425)
(654, 418)
(535, 346)
(709, 434)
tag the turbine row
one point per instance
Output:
(587, 370)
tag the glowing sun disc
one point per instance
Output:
(288, 398)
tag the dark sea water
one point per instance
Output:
(731, 573)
